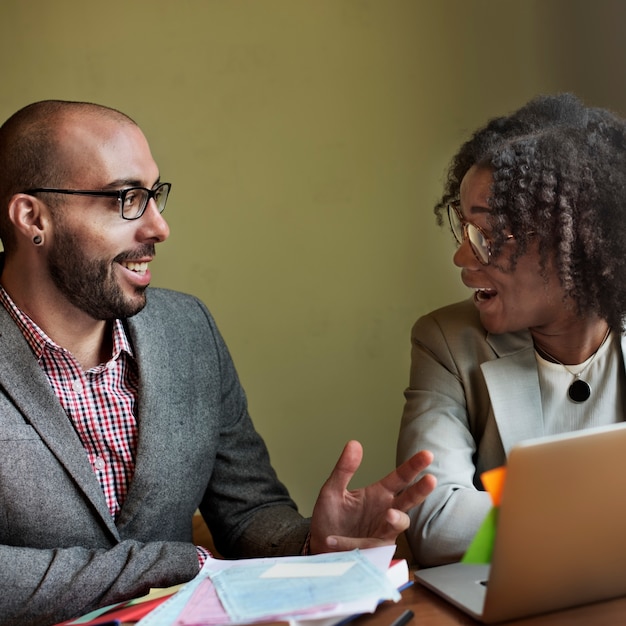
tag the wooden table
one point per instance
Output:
(431, 610)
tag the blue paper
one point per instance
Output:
(247, 595)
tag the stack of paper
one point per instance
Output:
(122, 612)
(318, 589)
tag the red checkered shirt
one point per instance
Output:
(99, 402)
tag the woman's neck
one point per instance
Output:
(573, 345)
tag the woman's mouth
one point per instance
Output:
(482, 294)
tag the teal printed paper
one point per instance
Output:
(256, 592)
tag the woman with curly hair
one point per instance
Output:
(537, 204)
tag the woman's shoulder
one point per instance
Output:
(456, 317)
(458, 326)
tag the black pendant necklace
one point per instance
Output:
(579, 390)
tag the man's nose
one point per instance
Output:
(153, 225)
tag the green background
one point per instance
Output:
(306, 141)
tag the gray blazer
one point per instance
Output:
(61, 553)
(471, 397)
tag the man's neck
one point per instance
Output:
(90, 341)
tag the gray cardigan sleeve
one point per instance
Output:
(247, 508)
(61, 555)
(41, 587)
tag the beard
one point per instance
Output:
(90, 284)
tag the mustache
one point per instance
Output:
(139, 253)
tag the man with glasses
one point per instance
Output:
(535, 201)
(120, 409)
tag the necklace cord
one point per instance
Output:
(548, 357)
(579, 389)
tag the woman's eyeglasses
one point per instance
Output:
(462, 230)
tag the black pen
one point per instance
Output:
(404, 618)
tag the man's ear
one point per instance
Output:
(29, 216)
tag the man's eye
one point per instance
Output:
(131, 198)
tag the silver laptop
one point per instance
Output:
(561, 535)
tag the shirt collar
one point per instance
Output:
(39, 341)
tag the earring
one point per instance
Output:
(37, 240)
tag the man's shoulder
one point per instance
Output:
(174, 318)
(175, 305)
(159, 295)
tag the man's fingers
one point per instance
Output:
(396, 523)
(406, 473)
(336, 543)
(415, 494)
(345, 467)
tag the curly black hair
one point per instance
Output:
(559, 175)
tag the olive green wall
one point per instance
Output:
(306, 142)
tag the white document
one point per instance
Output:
(257, 590)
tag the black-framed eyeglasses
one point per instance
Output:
(132, 200)
(478, 240)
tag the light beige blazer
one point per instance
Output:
(471, 397)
